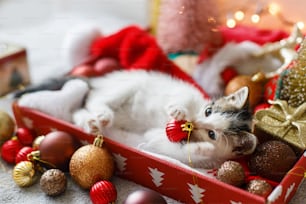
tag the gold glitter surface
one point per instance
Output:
(231, 172)
(53, 182)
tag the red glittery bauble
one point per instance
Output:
(103, 192)
(57, 148)
(22, 154)
(25, 136)
(10, 149)
(175, 132)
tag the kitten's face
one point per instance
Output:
(226, 123)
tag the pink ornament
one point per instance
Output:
(25, 136)
(22, 154)
(178, 130)
(103, 192)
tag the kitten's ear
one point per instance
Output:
(239, 99)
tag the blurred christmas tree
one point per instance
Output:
(187, 25)
(294, 82)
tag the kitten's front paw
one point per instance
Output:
(177, 112)
(105, 118)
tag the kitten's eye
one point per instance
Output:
(212, 135)
(208, 111)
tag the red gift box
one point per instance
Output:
(176, 181)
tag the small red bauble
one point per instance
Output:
(103, 192)
(22, 154)
(10, 149)
(83, 71)
(178, 130)
(228, 74)
(25, 136)
(106, 65)
(57, 148)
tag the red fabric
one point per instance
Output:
(135, 48)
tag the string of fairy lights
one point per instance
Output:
(262, 9)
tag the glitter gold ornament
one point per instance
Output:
(259, 187)
(53, 182)
(24, 174)
(91, 163)
(231, 172)
(7, 127)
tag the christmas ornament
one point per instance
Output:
(259, 187)
(37, 141)
(293, 87)
(53, 182)
(255, 88)
(91, 163)
(187, 25)
(10, 149)
(24, 174)
(83, 71)
(57, 148)
(25, 136)
(7, 127)
(272, 160)
(144, 196)
(231, 172)
(22, 154)
(103, 192)
(178, 130)
(106, 65)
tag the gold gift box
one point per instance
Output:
(282, 122)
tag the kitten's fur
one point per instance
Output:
(140, 103)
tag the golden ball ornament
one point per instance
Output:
(91, 163)
(24, 174)
(255, 86)
(37, 142)
(7, 127)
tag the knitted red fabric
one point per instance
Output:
(135, 48)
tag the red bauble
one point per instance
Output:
(83, 71)
(22, 154)
(178, 130)
(103, 192)
(57, 148)
(10, 149)
(106, 65)
(228, 74)
(25, 136)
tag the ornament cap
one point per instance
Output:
(98, 142)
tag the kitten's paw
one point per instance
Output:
(92, 127)
(105, 118)
(177, 112)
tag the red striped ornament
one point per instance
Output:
(103, 192)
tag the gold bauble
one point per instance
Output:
(7, 127)
(90, 164)
(255, 88)
(24, 174)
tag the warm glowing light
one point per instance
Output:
(255, 18)
(300, 25)
(231, 23)
(273, 9)
(239, 15)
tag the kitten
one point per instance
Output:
(134, 107)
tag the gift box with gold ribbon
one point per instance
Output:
(284, 122)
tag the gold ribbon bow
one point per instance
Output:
(288, 116)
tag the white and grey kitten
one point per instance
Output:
(135, 106)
